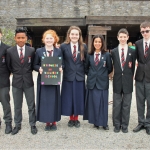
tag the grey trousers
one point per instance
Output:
(18, 99)
(5, 100)
(142, 96)
(121, 109)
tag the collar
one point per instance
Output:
(18, 47)
(72, 44)
(124, 46)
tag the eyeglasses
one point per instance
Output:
(146, 31)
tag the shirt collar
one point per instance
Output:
(148, 42)
(124, 46)
(72, 44)
(18, 47)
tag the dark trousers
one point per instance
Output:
(5, 100)
(142, 96)
(18, 99)
(121, 109)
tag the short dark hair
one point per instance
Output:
(123, 30)
(0, 31)
(145, 24)
(21, 30)
(91, 52)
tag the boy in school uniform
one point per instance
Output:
(124, 64)
(142, 78)
(20, 63)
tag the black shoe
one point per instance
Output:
(125, 130)
(47, 128)
(148, 130)
(77, 123)
(106, 128)
(15, 130)
(34, 130)
(117, 129)
(53, 127)
(8, 128)
(138, 128)
(70, 123)
(95, 126)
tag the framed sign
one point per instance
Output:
(51, 74)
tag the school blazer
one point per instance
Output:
(72, 70)
(22, 73)
(98, 75)
(4, 71)
(143, 68)
(123, 79)
(37, 60)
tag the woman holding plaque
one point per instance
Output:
(97, 67)
(73, 85)
(48, 96)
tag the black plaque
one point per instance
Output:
(51, 74)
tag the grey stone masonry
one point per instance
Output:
(11, 9)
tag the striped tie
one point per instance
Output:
(96, 59)
(50, 53)
(146, 50)
(21, 56)
(122, 58)
(74, 53)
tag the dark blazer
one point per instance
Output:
(98, 75)
(22, 73)
(143, 68)
(37, 60)
(72, 70)
(4, 72)
(123, 80)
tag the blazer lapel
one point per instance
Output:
(69, 51)
(44, 52)
(117, 56)
(16, 55)
(127, 58)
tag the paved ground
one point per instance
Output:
(85, 137)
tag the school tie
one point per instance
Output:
(96, 59)
(122, 58)
(50, 53)
(146, 50)
(74, 53)
(21, 56)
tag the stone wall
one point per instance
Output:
(11, 9)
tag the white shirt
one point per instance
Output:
(23, 50)
(0, 42)
(98, 56)
(125, 47)
(148, 44)
(72, 48)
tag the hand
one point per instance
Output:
(60, 69)
(40, 70)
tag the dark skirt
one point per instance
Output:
(49, 103)
(72, 98)
(96, 107)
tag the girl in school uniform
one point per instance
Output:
(73, 84)
(48, 96)
(97, 67)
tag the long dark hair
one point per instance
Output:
(103, 49)
(81, 44)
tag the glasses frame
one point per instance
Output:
(146, 31)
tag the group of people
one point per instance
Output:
(78, 95)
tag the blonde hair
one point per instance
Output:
(81, 44)
(130, 44)
(54, 35)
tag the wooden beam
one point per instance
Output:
(28, 22)
(100, 28)
(103, 20)
(96, 32)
